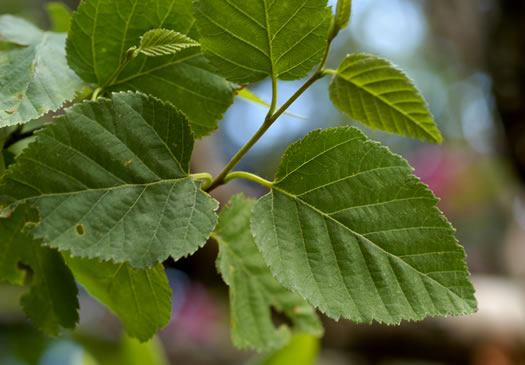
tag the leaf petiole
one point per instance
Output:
(203, 176)
(96, 94)
(248, 176)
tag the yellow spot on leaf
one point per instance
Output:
(127, 163)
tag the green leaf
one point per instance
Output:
(342, 13)
(253, 290)
(136, 353)
(140, 298)
(35, 79)
(60, 16)
(103, 30)
(303, 349)
(349, 228)
(17, 30)
(250, 40)
(248, 95)
(372, 91)
(52, 301)
(111, 181)
(164, 42)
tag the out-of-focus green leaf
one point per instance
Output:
(149, 353)
(140, 298)
(303, 349)
(347, 226)
(127, 352)
(111, 181)
(60, 16)
(253, 290)
(248, 95)
(52, 300)
(342, 13)
(248, 41)
(34, 79)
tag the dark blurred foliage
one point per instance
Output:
(505, 54)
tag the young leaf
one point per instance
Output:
(52, 301)
(60, 16)
(103, 30)
(164, 42)
(250, 40)
(372, 91)
(111, 181)
(253, 290)
(342, 13)
(248, 95)
(348, 227)
(140, 298)
(35, 79)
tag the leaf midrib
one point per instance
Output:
(364, 238)
(105, 189)
(154, 69)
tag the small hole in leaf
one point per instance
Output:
(279, 318)
(80, 230)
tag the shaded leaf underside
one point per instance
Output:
(253, 290)
(35, 79)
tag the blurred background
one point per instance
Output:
(468, 58)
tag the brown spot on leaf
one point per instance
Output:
(127, 163)
(20, 96)
(80, 230)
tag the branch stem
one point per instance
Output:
(271, 117)
(247, 176)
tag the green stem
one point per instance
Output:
(329, 71)
(203, 176)
(271, 117)
(219, 180)
(131, 54)
(247, 176)
(316, 76)
(274, 97)
(96, 93)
